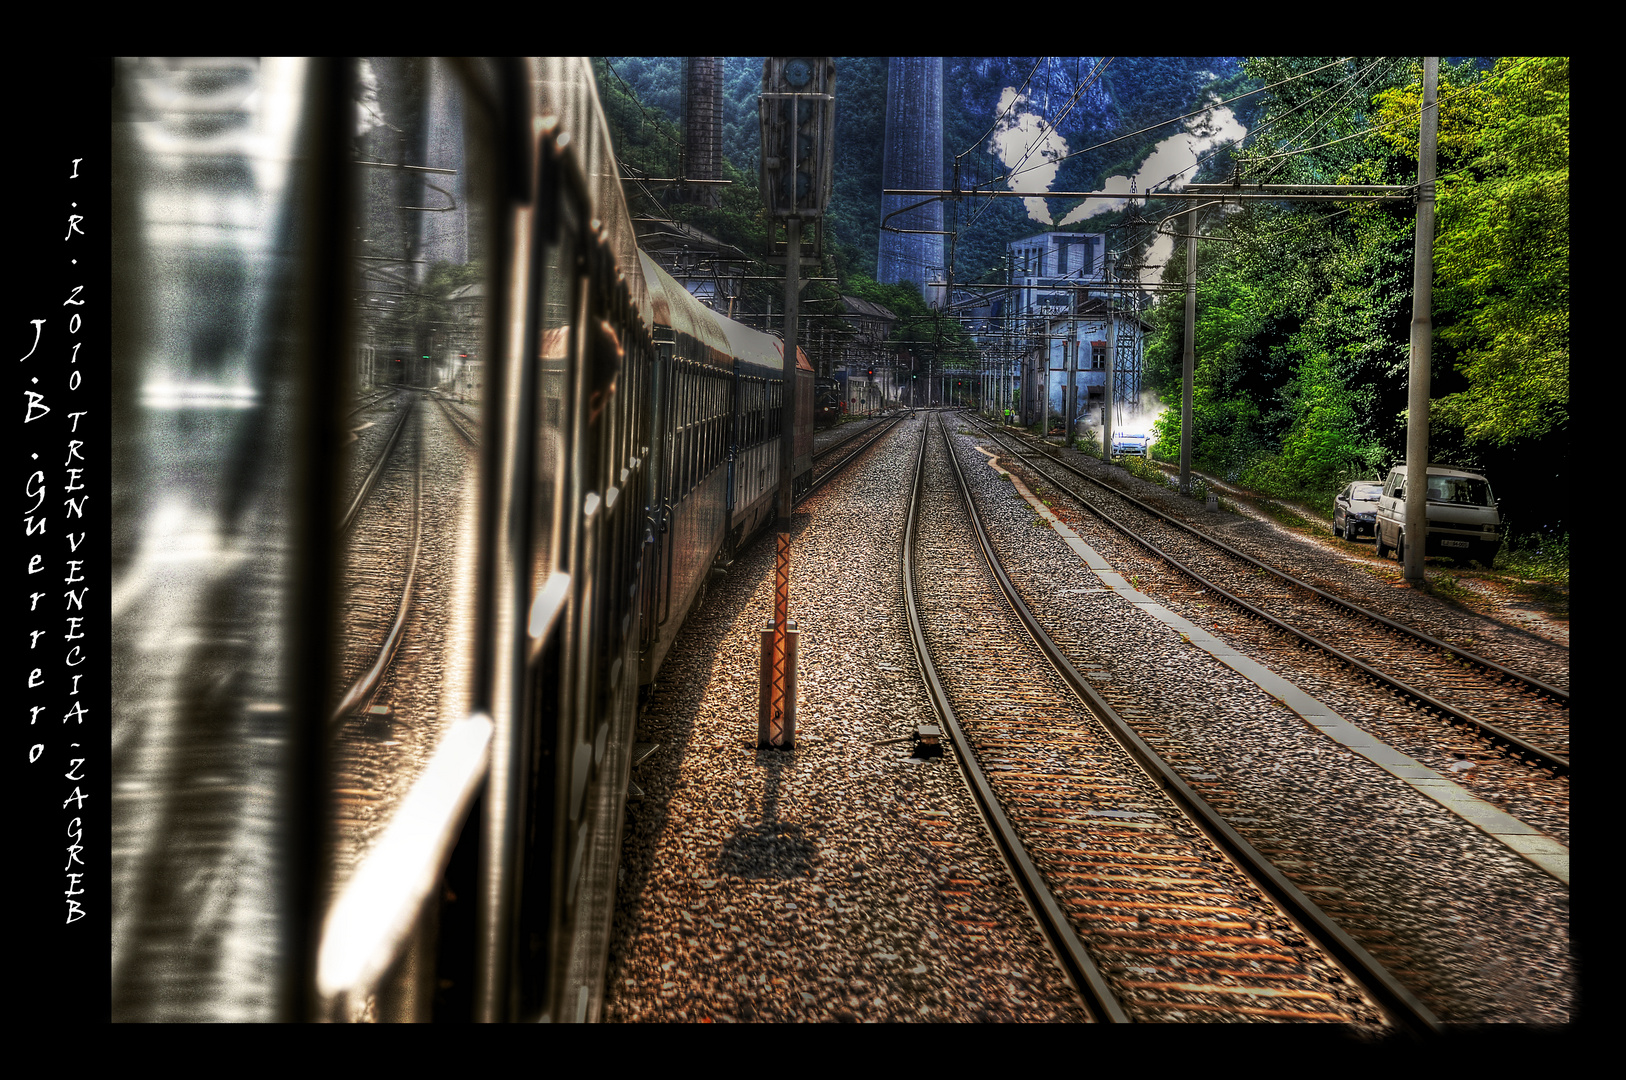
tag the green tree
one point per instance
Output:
(1501, 249)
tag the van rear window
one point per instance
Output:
(1459, 490)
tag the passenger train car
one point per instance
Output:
(310, 254)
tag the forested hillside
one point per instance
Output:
(1302, 338)
(1085, 100)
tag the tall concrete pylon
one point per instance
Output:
(703, 126)
(913, 160)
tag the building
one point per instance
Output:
(871, 373)
(1050, 269)
(1062, 332)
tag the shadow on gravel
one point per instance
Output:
(771, 850)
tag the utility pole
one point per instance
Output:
(1422, 335)
(1112, 363)
(1188, 359)
(1044, 389)
(1072, 370)
(797, 116)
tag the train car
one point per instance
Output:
(403, 522)
(759, 371)
(378, 635)
(692, 395)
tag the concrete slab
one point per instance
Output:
(1538, 848)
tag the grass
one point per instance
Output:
(1541, 559)
(1446, 586)
(1282, 514)
(1145, 470)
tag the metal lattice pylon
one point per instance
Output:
(1126, 364)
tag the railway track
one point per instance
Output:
(401, 600)
(832, 459)
(1517, 715)
(466, 426)
(1158, 909)
(383, 557)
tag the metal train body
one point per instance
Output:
(627, 438)
(717, 408)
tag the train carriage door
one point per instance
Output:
(537, 684)
(573, 670)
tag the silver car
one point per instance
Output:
(1128, 443)
(1355, 510)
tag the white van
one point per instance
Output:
(1463, 521)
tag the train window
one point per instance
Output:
(686, 396)
(711, 421)
(226, 393)
(717, 410)
(422, 255)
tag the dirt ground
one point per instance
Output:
(1533, 606)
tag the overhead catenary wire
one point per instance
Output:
(1349, 85)
(1007, 177)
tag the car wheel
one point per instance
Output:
(1336, 530)
(1377, 540)
(1400, 546)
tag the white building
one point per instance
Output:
(1060, 311)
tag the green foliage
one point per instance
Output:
(1448, 587)
(1502, 245)
(1543, 556)
(935, 342)
(1302, 337)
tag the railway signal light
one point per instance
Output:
(796, 109)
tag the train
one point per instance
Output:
(827, 403)
(295, 238)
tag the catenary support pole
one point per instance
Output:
(779, 734)
(1188, 359)
(1422, 335)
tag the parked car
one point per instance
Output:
(1355, 509)
(1463, 519)
(1130, 443)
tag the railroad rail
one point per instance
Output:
(849, 450)
(1541, 712)
(366, 684)
(466, 426)
(1158, 909)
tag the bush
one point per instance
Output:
(1542, 556)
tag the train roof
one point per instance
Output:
(676, 309)
(802, 362)
(755, 347)
(564, 94)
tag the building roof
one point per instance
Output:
(857, 306)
